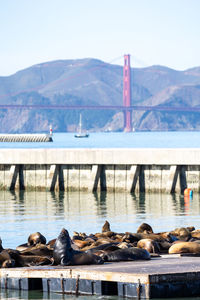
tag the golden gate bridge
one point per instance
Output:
(103, 107)
(127, 108)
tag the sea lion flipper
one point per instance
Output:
(65, 262)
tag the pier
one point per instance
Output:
(168, 276)
(31, 137)
(115, 170)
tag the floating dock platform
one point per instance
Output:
(168, 276)
(26, 137)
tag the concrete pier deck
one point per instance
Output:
(168, 276)
(131, 170)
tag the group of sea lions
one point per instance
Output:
(107, 246)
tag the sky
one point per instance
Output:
(154, 32)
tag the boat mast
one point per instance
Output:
(80, 123)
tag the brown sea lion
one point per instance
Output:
(153, 236)
(131, 237)
(101, 247)
(124, 245)
(104, 251)
(106, 227)
(144, 228)
(5, 260)
(28, 260)
(150, 245)
(164, 246)
(81, 244)
(34, 260)
(191, 228)
(195, 234)
(22, 247)
(107, 234)
(182, 233)
(64, 255)
(127, 255)
(185, 247)
(38, 250)
(79, 234)
(36, 238)
(51, 243)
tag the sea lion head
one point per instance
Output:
(36, 238)
(150, 245)
(62, 251)
(145, 228)
(64, 238)
(106, 227)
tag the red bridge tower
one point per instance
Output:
(127, 92)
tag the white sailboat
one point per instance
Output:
(81, 134)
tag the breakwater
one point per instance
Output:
(25, 137)
(144, 170)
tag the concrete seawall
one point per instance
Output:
(144, 170)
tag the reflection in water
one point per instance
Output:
(100, 199)
(25, 295)
(139, 202)
(22, 213)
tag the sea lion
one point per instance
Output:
(83, 258)
(64, 254)
(36, 238)
(5, 260)
(144, 228)
(150, 245)
(81, 243)
(124, 245)
(22, 247)
(185, 247)
(107, 234)
(103, 251)
(34, 260)
(106, 227)
(191, 228)
(131, 237)
(164, 246)
(128, 254)
(38, 250)
(182, 233)
(101, 247)
(195, 234)
(28, 260)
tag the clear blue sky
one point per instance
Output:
(164, 32)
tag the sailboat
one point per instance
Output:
(81, 134)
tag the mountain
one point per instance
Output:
(94, 82)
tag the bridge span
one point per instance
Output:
(103, 107)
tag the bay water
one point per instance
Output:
(157, 139)
(22, 213)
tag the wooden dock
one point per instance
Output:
(168, 276)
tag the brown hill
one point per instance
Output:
(93, 82)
